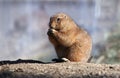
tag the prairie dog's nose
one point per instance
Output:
(50, 25)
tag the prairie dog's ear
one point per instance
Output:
(65, 16)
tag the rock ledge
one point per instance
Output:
(59, 70)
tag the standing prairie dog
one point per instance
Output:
(70, 41)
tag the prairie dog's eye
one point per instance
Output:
(58, 20)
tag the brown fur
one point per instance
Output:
(69, 40)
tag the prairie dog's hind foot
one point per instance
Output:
(57, 60)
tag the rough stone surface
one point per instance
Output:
(59, 70)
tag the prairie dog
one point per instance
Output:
(70, 41)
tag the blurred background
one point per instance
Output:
(24, 24)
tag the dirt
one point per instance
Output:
(59, 70)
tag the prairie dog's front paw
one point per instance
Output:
(51, 32)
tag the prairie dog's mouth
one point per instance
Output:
(51, 27)
(57, 29)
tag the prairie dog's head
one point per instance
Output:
(60, 21)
